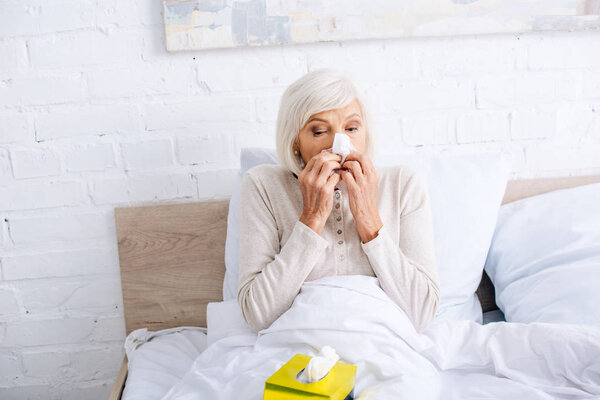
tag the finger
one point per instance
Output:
(350, 182)
(310, 165)
(354, 155)
(354, 167)
(314, 164)
(326, 169)
(362, 159)
(328, 155)
(322, 159)
(333, 180)
(367, 164)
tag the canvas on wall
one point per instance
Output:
(205, 24)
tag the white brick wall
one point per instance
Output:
(12, 56)
(15, 128)
(23, 195)
(67, 263)
(482, 126)
(89, 157)
(84, 49)
(148, 154)
(31, 163)
(94, 114)
(52, 88)
(41, 228)
(85, 120)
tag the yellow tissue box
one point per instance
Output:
(338, 384)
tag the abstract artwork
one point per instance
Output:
(206, 24)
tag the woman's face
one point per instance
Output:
(318, 132)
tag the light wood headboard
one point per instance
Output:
(172, 259)
(172, 256)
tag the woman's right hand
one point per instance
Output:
(317, 189)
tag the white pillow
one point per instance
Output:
(466, 193)
(544, 259)
(249, 157)
(225, 319)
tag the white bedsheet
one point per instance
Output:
(157, 360)
(451, 360)
(163, 357)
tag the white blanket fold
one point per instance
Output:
(451, 360)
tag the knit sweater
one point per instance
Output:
(278, 252)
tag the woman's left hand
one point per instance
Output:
(362, 181)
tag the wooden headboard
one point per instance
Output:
(172, 259)
(172, 256)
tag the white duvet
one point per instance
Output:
(451, 360)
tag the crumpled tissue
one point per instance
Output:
(319, 366)
(342, 146)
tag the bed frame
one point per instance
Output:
(172, 259)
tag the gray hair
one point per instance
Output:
(317, 91)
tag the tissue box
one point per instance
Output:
(338, 384)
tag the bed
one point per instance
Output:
(172, 260)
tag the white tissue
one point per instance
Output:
(319, 366)
(342, 145)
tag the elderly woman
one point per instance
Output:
(313, 217)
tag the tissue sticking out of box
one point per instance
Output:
(336, 384)
(319, 365)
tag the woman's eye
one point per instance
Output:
(353, 128)
(318, 133)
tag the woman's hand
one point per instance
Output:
(317, 189)
(362, 181)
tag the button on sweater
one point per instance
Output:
(278, 252)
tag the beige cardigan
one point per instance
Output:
(278, 252)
